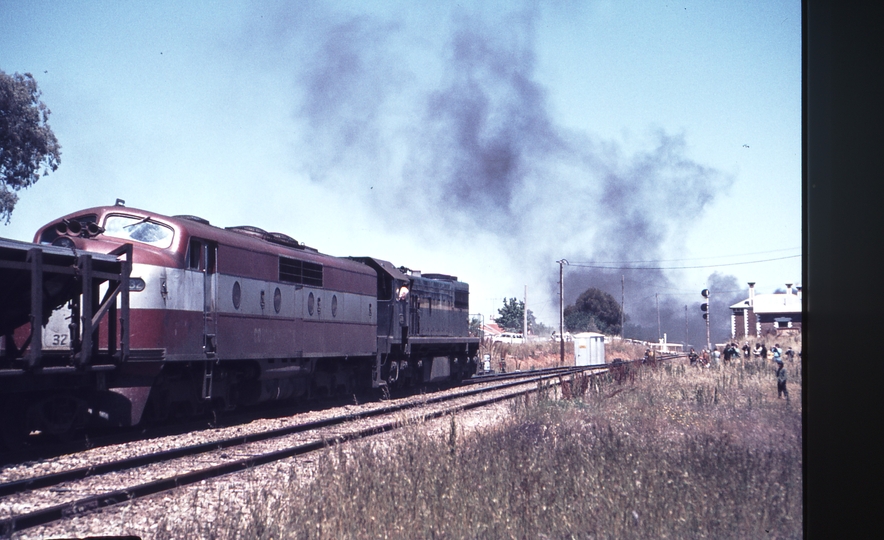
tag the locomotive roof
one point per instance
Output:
(383, 266)
(247, 237)
(397, 272)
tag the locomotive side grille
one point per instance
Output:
(312, 274)
(301, 272)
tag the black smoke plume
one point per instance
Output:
(456, 123)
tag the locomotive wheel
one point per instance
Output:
(13, 430)
(60, 417)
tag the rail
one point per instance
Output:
(83, 505)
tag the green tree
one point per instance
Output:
(476, 327)
(593, 311)
(27, 144)
(511, 316)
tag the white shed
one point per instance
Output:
(589, 349)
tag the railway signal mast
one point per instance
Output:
(704, 307)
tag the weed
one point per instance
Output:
(671, 452)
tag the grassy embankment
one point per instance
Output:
(667, 452)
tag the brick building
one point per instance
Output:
(767, 314)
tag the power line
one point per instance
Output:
(598, 265)
(697, 258)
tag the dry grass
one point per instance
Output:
(667, 452)
(546, 354)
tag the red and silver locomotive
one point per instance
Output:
(224, 317)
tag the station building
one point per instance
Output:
(767, 314)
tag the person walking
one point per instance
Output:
(746, 350)
(781, 380)
(763, 351)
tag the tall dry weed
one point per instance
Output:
(668, 452)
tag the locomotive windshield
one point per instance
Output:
(144, 230)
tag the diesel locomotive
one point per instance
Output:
(199, 317)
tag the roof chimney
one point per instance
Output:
(751, 294)
(798, 288)
(788, 288)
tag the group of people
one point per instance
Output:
(701, 360)
(731, 352)
(705, 359)
(760, 351)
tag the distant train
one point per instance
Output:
(198, 317)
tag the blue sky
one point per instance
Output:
(486, 142)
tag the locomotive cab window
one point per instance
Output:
(144, 230)
(195, 255)
(201, 256)
(461, 299)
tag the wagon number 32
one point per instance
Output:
(59, 339)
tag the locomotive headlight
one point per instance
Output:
(63, 241)
(136, 284)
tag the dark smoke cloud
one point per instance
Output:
(649, 196)
(451, 117)
(649, 202)
(347, 81)
(489, 128)
(680, 317)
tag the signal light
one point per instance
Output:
(705, 293)
(706, 316)
(704, 306)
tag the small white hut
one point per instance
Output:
(589, 349)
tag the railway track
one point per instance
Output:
(41, 450)
(48, 480)
(43, 499)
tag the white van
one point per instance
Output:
(509, 337)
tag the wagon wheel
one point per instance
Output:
(60, 418)
(13, 428)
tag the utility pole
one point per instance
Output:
(622, 301)
(657, 300)
(562, 264)
(685, 328)
(525, 317)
